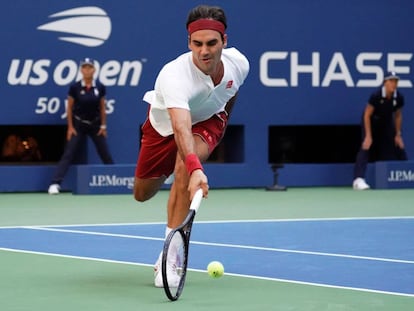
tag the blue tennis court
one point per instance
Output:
(365, 254)
(303, 249)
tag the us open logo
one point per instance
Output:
(88, 26)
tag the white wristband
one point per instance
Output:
(103, 127)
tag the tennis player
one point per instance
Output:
(188, 114)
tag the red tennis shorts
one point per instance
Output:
(158, 153)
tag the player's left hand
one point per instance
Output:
(399, 141)
(102, 132)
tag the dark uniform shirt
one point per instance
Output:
(382, 124)
(87, 100)
(384, 108)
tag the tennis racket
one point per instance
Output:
(175, 252)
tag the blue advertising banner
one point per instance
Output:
(394, 175)
(312, 63)
(101, 179)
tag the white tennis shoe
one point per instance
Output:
(54, 189)
(360, 184)
(172, 274)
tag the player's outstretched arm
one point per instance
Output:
(181, 123)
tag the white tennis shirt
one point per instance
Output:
(180, 84)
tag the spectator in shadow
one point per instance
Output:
(86, 116)
(381, 129)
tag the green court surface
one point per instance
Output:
(30, 281)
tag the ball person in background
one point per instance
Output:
(381, 129)
(188, 114)
(86, 116)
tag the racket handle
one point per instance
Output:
(195, 203)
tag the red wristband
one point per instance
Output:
(192, 163)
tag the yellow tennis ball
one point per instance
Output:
(215, 269)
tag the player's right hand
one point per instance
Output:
(198, 180)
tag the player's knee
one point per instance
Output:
(141, 196)
(145, 189)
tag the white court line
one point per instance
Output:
(309, 219)
(219, 221)
(270, 249)
(282, 250)
(128, 236)
(203, 271)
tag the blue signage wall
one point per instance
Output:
(312, 63)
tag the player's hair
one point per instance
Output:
(208, 12)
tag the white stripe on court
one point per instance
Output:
(269, 249)
(203, 271)
(218, 221)
(138, 237)
(282, 250)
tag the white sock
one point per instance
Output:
(167, 231)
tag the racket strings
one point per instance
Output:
(175, 252)
(175, 259)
